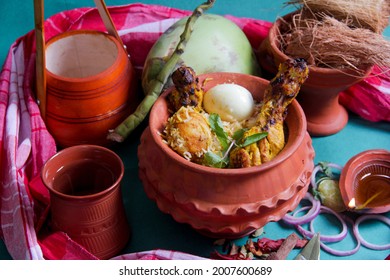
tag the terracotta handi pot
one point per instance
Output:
(365, 182)
(226, 203)
(91, 87)
(320, 92)
(86, 199)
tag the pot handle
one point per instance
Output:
(108, 23)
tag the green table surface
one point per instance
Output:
(153, 229)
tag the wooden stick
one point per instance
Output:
(40, 63)
(284, 249)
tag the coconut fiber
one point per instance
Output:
(337, 42)
(369, 14)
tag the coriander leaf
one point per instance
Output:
(214, 160)
(253, 138)
(217, 126)
(239, 134)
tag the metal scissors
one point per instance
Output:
(311, 251)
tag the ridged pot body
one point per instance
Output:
(91, 87)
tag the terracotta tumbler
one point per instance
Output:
(91, 87)
(319, 95)
(85, 198)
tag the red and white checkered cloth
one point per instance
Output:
(25, 144)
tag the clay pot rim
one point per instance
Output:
(273, 31)
(85, 147)
(355, 165)
(286, 152)
(98, 76)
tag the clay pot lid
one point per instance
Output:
(365, 182)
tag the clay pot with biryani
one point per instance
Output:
(226, 193)
(339, 56)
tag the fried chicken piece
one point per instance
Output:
(187, 91)
(188, 131)
(189, 134)
(283, 88)
(248, 156)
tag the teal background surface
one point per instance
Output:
(154, 229)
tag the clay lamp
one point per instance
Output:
(365, 182)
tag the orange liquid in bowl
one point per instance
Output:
(373, 190)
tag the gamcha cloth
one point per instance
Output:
(25, 143)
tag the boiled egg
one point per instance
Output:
(231, 102)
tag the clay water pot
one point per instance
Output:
(86, 199)
(365, 179)
(320, 92)
(226, 203)
(91, 87)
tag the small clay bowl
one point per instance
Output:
(226, 203)
(366, 179)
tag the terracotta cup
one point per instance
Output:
(91, 87)
(85, 198)
(320, 93)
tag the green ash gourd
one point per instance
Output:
(216, 45)
(205, 42)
